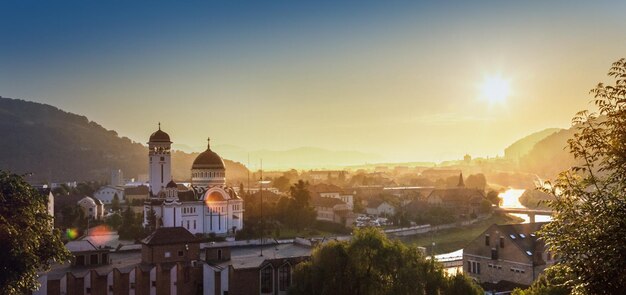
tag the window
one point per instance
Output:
(501, 242)
(486, 240)
(494, 253)
(153, 283)
(105, 258)
(266, 280)
(180, 253)
(88, 290)
(194, 224)
(284, 277)
(473, 267)
(132, 285)
(80, 260)
(93, 259)
(219, 254)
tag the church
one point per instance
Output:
(207, 206)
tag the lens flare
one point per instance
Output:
(71, 233)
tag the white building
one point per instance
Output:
(107, 192)
(93, 208)
(160, 160)
(379, 207)
(208, 207)
(117, 177)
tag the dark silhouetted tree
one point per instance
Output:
(588, 231)
(115, 203)
(370, 263)
(28, 242)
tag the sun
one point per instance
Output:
(495, 89)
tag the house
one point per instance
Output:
(333, 210)
(462, 200)
(172, 261)
(107, 192)
(136, 194)
(92, 207)
(379, 207)
(239, 271)
(507, 255)
(332, 191)
(168, 263)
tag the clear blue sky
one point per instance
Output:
(396, 78)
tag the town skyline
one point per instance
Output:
(403, 81)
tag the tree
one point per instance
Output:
(131, 227)
(477, 181)
(281, 183)
(493, 197)
(115, 204)
(372, 264)
(28, 242)
(555, 280)
(114, 221)
(301, 212)
(588, 231)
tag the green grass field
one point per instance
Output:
(456, 238)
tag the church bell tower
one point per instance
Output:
(160, 164)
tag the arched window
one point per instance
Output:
(284, 277)
(267, 285)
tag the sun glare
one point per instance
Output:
(495, 89)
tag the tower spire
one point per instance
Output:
(461, 183)
(159, 125)
(208, 143)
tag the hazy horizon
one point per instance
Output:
(403, 80)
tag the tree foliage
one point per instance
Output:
(27, 241)
(556, 280)
(300, 212)
(115, 203)
(372, 264)
(588, 231)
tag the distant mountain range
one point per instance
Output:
(56, 146)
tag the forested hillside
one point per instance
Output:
(56, 146)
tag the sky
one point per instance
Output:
(400, 79)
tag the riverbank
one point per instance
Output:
(453, 239)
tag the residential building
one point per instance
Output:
(333, 210)
(92, 207)
(332, 191)
(107, 193)
(172, 261)
(136, 194)
(507, 255)
(380, 208)
(117, 177)
(462, 200)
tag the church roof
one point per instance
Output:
(170, 235)
(159, 136)
(171, 184)
(208, 160)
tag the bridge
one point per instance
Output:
(526, 211)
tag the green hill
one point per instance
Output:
(58, 146)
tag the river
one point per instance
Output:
(510, 199)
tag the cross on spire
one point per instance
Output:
(208, 145)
